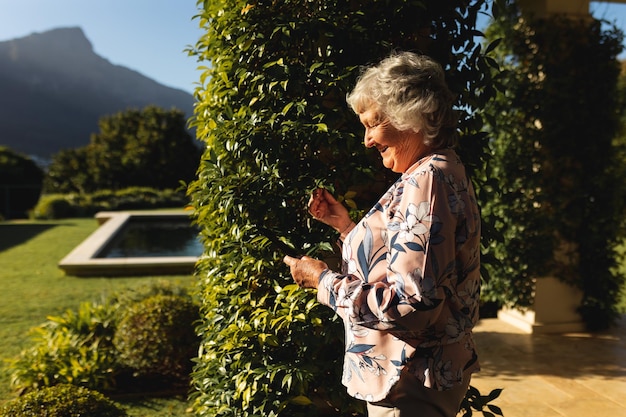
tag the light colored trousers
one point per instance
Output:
(409, 398)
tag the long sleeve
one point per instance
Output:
(411, 265)
(400, 278)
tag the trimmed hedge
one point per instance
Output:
(156, 337)
(60, 206)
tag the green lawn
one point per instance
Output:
(32, 287)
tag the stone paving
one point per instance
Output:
(553, 375)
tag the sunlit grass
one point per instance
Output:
(32, 287)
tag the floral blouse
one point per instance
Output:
(409, 290)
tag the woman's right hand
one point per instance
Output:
(325, 208)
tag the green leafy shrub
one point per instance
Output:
(74, 348)
(58, 206)
(54, 206)
(62, 401)
(559, 169)
(78, 347)
(133, 198)
(159, 287)
(272, 112)
(136, 198)
(156, 337)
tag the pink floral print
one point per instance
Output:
(409, 290)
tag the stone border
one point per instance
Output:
(82, 261)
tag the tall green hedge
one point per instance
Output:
(271, 110)
(559, 173)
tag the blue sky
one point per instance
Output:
(613, 12)
(148, 36)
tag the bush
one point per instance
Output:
(62, 401)
(128, 198)
(160, 287)
(75, 348)
(54, 206)
(78, 347)
(156, 337)
(134, 198)
(59, 206)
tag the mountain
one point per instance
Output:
(54, 88)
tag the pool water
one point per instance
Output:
(154, 238)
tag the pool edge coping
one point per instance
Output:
(82, 260)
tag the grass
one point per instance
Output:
(33, 287)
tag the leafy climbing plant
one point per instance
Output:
(555, 160)
(271, 110)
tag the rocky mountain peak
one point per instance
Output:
(54, 88)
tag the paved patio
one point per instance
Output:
(543, 375)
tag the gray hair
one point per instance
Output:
(410, 90)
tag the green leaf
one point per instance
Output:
(286, 108)
(492, 45)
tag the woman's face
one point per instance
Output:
(399, 149)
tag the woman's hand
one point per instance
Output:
(325, 208)
(305, 271)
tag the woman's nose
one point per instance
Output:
(367, 139)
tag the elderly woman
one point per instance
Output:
(409, 289)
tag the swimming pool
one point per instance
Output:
(154, 236)
(136, 243)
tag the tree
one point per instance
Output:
(273, 115)
(69, 172)
(144, 148)
(20, 183)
